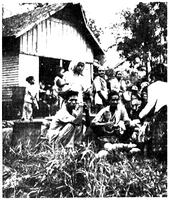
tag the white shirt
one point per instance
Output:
(30, 92)
(117, 85)
(76, 82)
(120, 114)
(157, 93)
(100, 85)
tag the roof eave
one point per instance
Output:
(37, 22)
(91, 33)
(48, 14)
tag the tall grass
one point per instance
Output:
(45, 172)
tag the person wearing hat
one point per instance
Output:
(66, 126)
(101, 91)
(75, 78)
(30, 99)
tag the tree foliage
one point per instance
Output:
(97, 31)
(148, 39)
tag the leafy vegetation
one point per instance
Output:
(96, 30)
(48, 172)
(148, 35)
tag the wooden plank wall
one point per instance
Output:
(10, 73)
(56, 39)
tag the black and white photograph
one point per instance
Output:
(84, 99)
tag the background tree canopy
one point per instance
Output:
(147, 42)
(145, 45)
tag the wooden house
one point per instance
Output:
(37, 42)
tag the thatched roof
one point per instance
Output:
(21, 23)
(12, 26)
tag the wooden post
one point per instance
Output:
(61, 63)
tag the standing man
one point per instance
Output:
(157, 95)
(117, 83)
(59, 83)
(75, 79)
(156, 110)
(101, 91)
(30, 99)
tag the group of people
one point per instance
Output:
(37, 100)
(121, 112)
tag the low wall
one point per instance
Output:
(26, 133)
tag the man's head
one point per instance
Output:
(79, 68)
(72, 99)
(101, 71)
(30, 80)
(113, 99)
(118, 75)
(70, 96)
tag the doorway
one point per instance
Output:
(48, 69)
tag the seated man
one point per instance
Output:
(112, 121)
(66, 127)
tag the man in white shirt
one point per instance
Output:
(75, 79)
(30, 99)
(157, 96)
(112, 122)
(100, 86)
(156, 108)
(117, 83)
